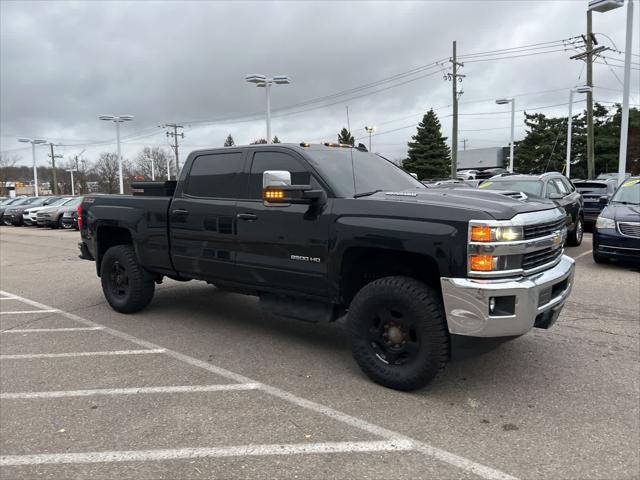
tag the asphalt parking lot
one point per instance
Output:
(202, 384)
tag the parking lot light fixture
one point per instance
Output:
(370, 130)
(34, 142)
(582, 89)
(512, 101)
(118, 119)
(266, 82)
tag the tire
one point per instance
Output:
(406, 311)
(574, 238)
(599, 258)
(124, 283)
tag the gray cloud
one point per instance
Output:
(64, 63)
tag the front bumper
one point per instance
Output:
(610, 243)
(538, 300)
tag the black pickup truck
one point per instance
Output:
(320, 231)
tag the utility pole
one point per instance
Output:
(454, 77)
(174, 134)
(53, 157)
(590, 142)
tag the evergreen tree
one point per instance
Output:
(229, 141)
(429, 155)
(345, 137)
(275, 140)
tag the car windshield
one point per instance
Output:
(28, 201)
(60, 201)
(628, 193)
(532, 187)
(372, 172)
(73, 202)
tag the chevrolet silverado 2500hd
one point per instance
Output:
(320, 231)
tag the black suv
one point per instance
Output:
(553, 186)
(592, 191)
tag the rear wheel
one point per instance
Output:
(124, 283)
(575, 238)
(398, 332)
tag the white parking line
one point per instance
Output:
(391, 437)
(47, 330)
(51, 310)
(81, 354)
(8, 298)
(130, 391)
(583, 254)
(238, 451)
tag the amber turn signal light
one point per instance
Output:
(480, 234)
(481, 263)
(273, 195)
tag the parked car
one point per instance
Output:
(446, 184)
(13, 213)
(70, 219)
(489, 172)
(611, 175)
(289, 224)
(30, 214)
(6, 203)
(466, 174)
(592, 191)
(617, 232)
(52, 216)
(553, 186)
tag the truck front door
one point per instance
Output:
(203, 215)
(282, 247)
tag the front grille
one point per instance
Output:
(630, 229)
(542, 229)
(540, 257)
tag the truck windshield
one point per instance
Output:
(372, 172)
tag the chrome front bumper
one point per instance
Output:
(538, 301)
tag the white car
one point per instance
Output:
(467, 174)
(29, 215)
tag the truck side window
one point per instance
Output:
(263, 161)
(561, 186)
(216, 176)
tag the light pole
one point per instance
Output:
(263, 81)
(605, 6)
(584, 89)
(153, 169)
(34, 142)
(370, 130)
(512, 101)
(118, 120)
(73, 187)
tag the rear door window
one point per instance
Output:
(216, 175)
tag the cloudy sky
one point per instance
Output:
(64, 63)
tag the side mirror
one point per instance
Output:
(277, 190)
(603, 200)
(556, 196)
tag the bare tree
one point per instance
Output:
(106, 168)
(6, 164)
(160, 157)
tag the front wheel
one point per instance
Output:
(124, 283)
(574, 238)
(399, 336)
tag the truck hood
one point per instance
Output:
(500, 205)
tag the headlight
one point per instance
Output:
(482, 233)
(604, 222)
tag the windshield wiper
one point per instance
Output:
(366, 194)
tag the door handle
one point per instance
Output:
(247, 216)
(180, 212)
